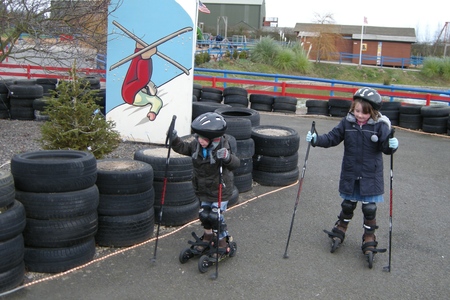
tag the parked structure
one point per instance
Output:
(377, 42)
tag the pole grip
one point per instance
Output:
(170, 131)
(391, 135)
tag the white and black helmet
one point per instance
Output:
(209, 125)
(370, 95)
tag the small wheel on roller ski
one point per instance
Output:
(203, 263)
(233, 249)
(335, 244)
(369, 256)
(185, 255)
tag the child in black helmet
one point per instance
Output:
(366, 135)
(209, 149)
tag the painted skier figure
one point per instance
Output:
(137, 88)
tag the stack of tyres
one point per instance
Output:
(210, 94)
(180, 205)
(285, 104)
(235, 96)
(196, 92)
(275, 162)
(391, 110)
(435, 118)
(21, 98)
(40, 104)
(410, 116)
(241, 130)
(4, 99)
(125, 212)
(12, 224)
(261, 102)
(317, 107)
(339, 107)
(57, 189)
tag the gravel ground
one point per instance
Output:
(18, 136)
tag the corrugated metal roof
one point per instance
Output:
(379, 33)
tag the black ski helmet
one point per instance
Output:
(209, 125)
(370, 95)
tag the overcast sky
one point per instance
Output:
(428, 17)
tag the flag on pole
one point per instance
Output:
(365, 20)
(202, 7)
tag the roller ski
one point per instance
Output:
(199, 247)
(227, 248)
(337, 234)
(369, 248)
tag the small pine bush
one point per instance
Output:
(75, 121)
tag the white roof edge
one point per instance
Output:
(391, 38)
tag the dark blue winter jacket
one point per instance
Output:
(363, 148)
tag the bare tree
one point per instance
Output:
(54, 32)
(326, 36)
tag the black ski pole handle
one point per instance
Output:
(313, 127)
(391, 135)
(170, 131)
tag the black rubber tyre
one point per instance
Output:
(240, 112)
(286, 100)
(336, 102)
(55, 233)
(276, 179)
(435, 111)
(22, 113)
(199, 108)
(21, 102)
(180, 166)
(317, 103)
(338, 111)
(211, 97)
(178, 215)
(261, 99)
(40, 104)
(410, 121)
(434, 128)
(235, 90)
(209, 89)
(236, 100)
(12, 221)
(275, 140)
(11, 253)
(284, 107)
(26, 91)
(321, 111)
(275, 164)
(203, 264)
(4, 85)
(12, 278)
(410, 109)
(244, 182)
(245, 148)
(240, 128)
(436, 121)
(261, 106)
(393, 115)
(177, 193)
(56, 260)
(124, 231)
(126, 204)
(123, 176)
(234, 199)
(52, 81)
(7, 190)
(390, 105)
(246, 166)
(54, 171)
(61, 205)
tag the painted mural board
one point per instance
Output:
(150, 59)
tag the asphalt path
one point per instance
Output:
(260, 224)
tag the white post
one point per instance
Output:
(360, 44)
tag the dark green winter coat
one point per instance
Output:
(206, 169)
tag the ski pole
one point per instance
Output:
(313, 129)
(168, 144)
(219, 204)
(388, 267)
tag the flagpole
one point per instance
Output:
(360, 44)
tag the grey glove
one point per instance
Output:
(223, 154)
(174, 134)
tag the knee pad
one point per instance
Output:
(369, 210)
(203, 215)
(347, 208)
